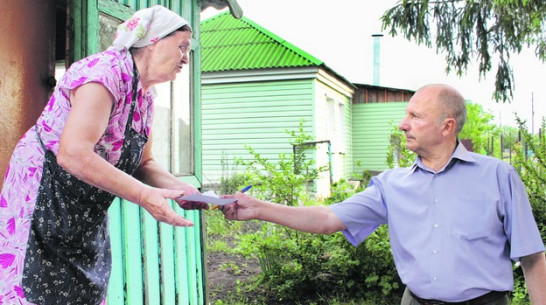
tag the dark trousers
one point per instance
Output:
(408, 299)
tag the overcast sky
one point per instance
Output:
(339, 33)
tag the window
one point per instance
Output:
(341, 130)
(336, 125)
(107, 28)
(331, 123)
(182, 122)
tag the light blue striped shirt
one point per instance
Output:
(453, 232)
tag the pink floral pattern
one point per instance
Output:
(132, 23)
(114, 70)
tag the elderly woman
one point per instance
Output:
(91, 143)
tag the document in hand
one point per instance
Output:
(209, 197)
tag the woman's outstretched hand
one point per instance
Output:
(188, 189)
(155, 201)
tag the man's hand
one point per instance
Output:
(244, 208)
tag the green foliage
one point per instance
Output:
(510, 137)
(285, 181)
(219, 225)
(218, 246)
(230, 185)
(231, 268)
(231, 180)
(519, 296)
(342, 190)
(397, 153)
(530, 162)
(479, 128)
(294, 264)
(364, 177)
(467, 31)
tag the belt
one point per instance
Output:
(484, 299)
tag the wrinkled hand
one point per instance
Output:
(244, 208)
(155, 201)
(189, 205)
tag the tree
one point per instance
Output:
(509, 137)
(468, 29)
(479, 128)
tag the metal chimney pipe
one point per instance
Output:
(376, 53)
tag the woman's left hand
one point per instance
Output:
(189, 205)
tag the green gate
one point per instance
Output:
(154, 263)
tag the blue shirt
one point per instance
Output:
(454, 231)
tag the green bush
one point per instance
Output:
(530, 162)
(294, 264)
(302, 267)
(342, 190)
(397, 153)
(285, 181)
(234, 183)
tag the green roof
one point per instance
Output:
(240, 44)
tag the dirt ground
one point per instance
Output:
(224, 271)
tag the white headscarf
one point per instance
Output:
(146, 27)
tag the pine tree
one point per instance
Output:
(469, 30)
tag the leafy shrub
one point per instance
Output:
(397, 153)
(295, 264)
(300, 266)
(342, 190)
(234, 183)
(285, 181)
(530, 162)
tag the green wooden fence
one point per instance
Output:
(154, 263)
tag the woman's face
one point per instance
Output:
(168, 56)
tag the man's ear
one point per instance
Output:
(449, 126)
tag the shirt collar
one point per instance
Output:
(460, 153)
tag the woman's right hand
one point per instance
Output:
(155, 201)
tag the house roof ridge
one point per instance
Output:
(256, 43)
(285, 42)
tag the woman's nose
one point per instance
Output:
(185, 58)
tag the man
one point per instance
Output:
(456, 219)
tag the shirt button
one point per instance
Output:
(436, 225)
(435, 251)
(435, 200)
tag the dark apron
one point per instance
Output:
(68, 257)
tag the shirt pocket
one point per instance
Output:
(472, 219)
